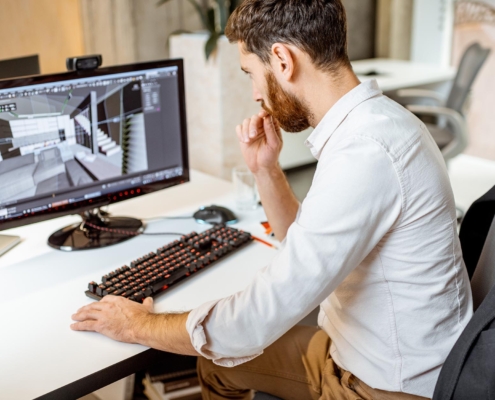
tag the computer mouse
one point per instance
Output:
(215, 215)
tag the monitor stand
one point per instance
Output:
(96, 230)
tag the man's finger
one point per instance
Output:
(148, 303)
(245, 130)
(84, 326)
(85, 315)
(111, 299)
(263, 114)
(255, 126)
(272, 132)
(93, 306)
(276, 127)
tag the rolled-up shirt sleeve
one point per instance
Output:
(354, 200)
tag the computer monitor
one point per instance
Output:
(71, 143)
(22, 66)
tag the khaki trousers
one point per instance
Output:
(295, 367)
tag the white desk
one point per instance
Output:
(41, 288)
(392, 75)
(470, 177)
(399, 74)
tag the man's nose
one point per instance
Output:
(256, 94)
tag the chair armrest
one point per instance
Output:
(421, 94)
(452, 116)
(456, 123)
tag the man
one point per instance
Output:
(374, 242)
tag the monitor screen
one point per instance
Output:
(76, 141)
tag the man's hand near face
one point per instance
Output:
(130, 322)
(260, 139)
(261, 142)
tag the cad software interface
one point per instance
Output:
(68, 141)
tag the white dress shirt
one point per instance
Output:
(374, 243)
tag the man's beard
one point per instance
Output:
(290, 112)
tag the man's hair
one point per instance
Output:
(317, 27)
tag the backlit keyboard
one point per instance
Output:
(155, 272)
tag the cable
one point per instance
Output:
(129, 233)
(163, 234)
(160, 218)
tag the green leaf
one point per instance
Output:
(202, 14)
(211, 44)
(222, 9)
(211, 23)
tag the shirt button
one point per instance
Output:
(230, 363)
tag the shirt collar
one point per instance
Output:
(338, 113)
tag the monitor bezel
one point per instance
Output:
(114, 197)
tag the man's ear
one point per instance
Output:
(283, 62)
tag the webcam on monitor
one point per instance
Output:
(83, 63)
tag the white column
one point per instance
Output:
(433, 24)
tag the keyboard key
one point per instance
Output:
(100, 289)
(108, 291)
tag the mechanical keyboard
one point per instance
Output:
(155, 272)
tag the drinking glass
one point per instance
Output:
(246, 196)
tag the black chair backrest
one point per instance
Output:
(484, 274)
(474, 229)
(471, 63)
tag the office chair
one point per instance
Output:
(22, 66)
(450, 131)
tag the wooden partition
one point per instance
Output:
(50, 28)
(123, 31)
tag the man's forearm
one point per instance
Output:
(166, 332)
(278, 200)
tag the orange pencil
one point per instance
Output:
(264, 242)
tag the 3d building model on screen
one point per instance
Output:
(67, 138)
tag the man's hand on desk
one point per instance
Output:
(130, 322)
(114, 317)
